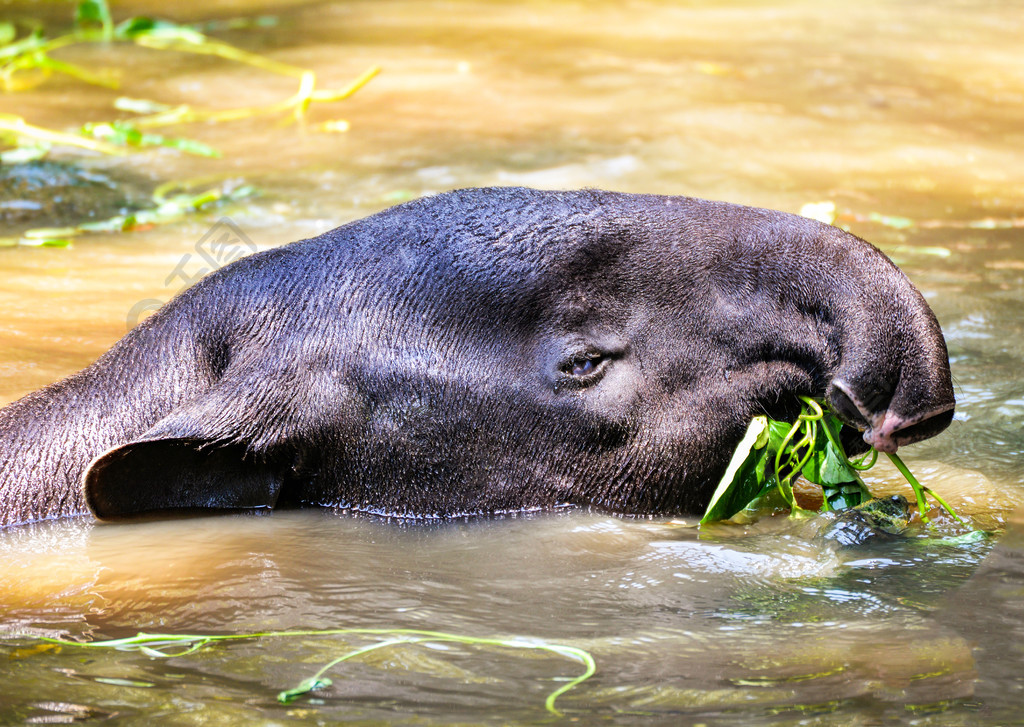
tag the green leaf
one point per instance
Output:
(36, 241)
(34, 41)
(161, 31)
(744, 478)
(140, 105)
(22, 154)
(114, 681)
(119, 223)
(816, 465)
(92, 13)
(7, 33)
(190, 146)
(844, 495)
(836, 469)
(974, 536)
(828, 466)
(308, 685)
(133, 27)
(42, 233)
(125, 133)
(748, 480)
(896, 223)
(767, 503)
(777, 432)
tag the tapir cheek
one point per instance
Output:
(618, 394)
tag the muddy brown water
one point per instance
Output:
(887, 109)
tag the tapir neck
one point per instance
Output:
(48, 438)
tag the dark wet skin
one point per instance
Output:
(479, 352)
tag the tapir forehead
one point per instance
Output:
(521, 262)
(518, 244)
(524, 234)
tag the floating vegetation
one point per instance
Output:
(773, 454)
(170, 203)
(121, 133)
(27, 62)
(163, 646)
(54, 193)
(33, 142)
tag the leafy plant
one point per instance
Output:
(157, 645)
(171, 202)
(773, 454)
(28, 61)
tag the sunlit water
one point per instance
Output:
(886, 109)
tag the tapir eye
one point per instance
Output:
(584, 368)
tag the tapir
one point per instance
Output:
(485, 351)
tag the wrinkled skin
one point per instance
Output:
(484, 351)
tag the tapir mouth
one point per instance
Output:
(887, 430)
(891, 431)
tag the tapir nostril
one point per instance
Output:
(846, 406)
(879, 416)
(846, 410)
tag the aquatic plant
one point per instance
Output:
(28, 61)
(158, 645)
(171, 202)
(773, 454)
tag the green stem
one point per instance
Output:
(943, 503)
(579, 655)
(808, 441)
(922, 505)
(787, 494)
(920, 490)
(859, 463)
(150, 644)
(794, 463)
(364, 650)
(818, 412)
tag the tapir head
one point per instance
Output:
(490, 350)
(789, 299)
(678, 320)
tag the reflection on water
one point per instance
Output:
(770, 619)
(899, 109)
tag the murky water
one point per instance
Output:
(887, 109)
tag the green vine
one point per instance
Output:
(28, 61)
(157, 645)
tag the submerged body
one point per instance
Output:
(484, 351)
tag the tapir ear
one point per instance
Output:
(155, 475)
(227, 449)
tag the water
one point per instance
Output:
(768, 626)
(891, 109)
